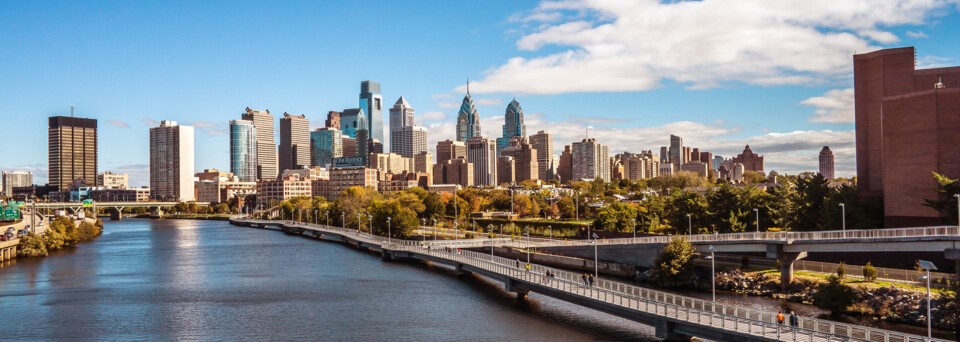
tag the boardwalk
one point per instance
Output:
(673, 316)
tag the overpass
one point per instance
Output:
(674, 317)
(117, 206)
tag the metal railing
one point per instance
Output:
(693, 310)
(854, 271)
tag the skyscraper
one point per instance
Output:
(72, 151)
(15, 179)
(543, 143)
(401, 115)
(171, 162)
(333, 120)
(482, 153)
(512, 125)
(565, 165)
(266, 146)
(353, 124)
(243, 150)
(468, 120)
(423, 162)
(524, 159)
(408, 140)
(591, 160)
(676, 152)
(294, 142)
(449, 149)
(826, 162)
(325, 145)
(751, 161)
(372, 103)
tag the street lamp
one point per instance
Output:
(389, 233)
(370, 226)
(343, 220)
(423, 222)
(434, 229)
(359, 221)
(528, 246)
(843, 213)
(550, 229)
(596, 265)
(634, 222)
(757, 219)
(328, 218)
(713, 272)
(928, 266)
(689, 225)
(316, 216)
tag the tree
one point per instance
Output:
(674, 266)
(841, 271)
(616, 217)
(834, 296)
(403, 219)
(869, 272)
(945, 203)
(567, 207)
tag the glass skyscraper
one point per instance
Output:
(325, 144)
(372, 103)
(468, 120)
(243, 150)
(512, 125)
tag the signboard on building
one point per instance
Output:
(345, 162)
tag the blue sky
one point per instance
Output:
(721, 74)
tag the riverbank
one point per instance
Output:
(62, 232)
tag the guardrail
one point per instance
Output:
(693, 310)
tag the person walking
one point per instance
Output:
(583, 279)
(591, 280)
(780, 317)
(794, 321)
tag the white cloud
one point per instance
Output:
(835, 106)
(930, 62)
(636, 45)
(431, 116)
(118, 123)
(917, 34)
(150, 122)
(441, 96)
(203, 124)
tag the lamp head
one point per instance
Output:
(712, 249)
(926, 265)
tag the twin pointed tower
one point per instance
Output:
(468, 120)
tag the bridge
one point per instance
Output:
(674, 317)
(117, 206)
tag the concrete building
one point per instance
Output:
(543, 143)
(214, 186)
(113, 180)
(72, 151)
(616, 169)
(454, 171)
(283, 188)
(294, 142)
(401, 181)
(751, 161)
(591, 160)
(390, 162)
(353, 124)
(16, 179)
(697, 167)
(407, 141)
(333, 120)
(423, 162)
(325, 144)
(372, 103)
(313, 173)
(565, 165)
(524, 156)
(468, 120)
(506, 170)
(706, 158)
(826, 162)
(374, 146)
(512, 125)
(401, 115)
(449, 149)
(213, 175)
(349, 146)
(716, 162)
(666, 168)
(342, 179)
(243, 150)
(171, 162)
(906, 128)
(100, 194)
(676, 151)
(266, 150)
(482, 153)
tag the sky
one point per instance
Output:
(776, 75)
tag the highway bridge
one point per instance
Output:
(674, 317)
(116, 206)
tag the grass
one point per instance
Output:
(821, 277)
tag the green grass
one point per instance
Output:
(874, 284)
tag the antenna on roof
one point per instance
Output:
(468, 86)
(71, 111)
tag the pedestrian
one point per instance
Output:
(518, 263)
(591, 280)
(794, 321)
(583, 279)
(779, 317)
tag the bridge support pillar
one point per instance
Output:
(786, 268)
(511, 286)
(664, 329)
(117, 214)
(954, 254)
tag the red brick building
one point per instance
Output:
(907, 124)
(751, 161)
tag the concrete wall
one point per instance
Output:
(559, 261)
(621, 254)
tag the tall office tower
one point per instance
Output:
(15, 179)
(423, 162)
(294, 142)
(591, 160)
(353, 124)
(243, 150)
(716, 162)
(72, 151)
(616, 169)
(506, 170)
(543, 143)
(633, 165)
(171, 162)
(686, 155)
(694, 154)
(372, 103)
(408, 140)
(333, 120)
(325, 144)
(401, 115)
(266, 146)
(449, 149)
(468, 120)
(524, 159)
(676, 152)
(664, 154)
(482, 153)
(751, 161)
(707, 158)
(349, 146)
(512, 125)
(826, 162)
(565, 165)
(374, 146)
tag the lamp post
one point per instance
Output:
(343, 220)
(596, 265)
(456, 215)
(423, 222)
(928, 266)
(328, 218)
(359, 221)
(689, 225)
(577, 205)
(843, 213)
(528, 246)
(757, 218)
(389, 231)
(434, 229)
(501, 230)
(958, 209)
(713, 272)
(550, 229)
(634, 222)
(316, 216)
(370, 226)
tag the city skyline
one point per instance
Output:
(785, 110)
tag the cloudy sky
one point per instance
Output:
(776, 75)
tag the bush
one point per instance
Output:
(841, 271)
(869, 272)
(675, 264)
(834, 296)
